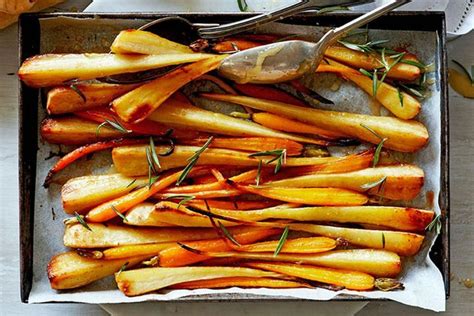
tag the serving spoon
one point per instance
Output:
(288, 60)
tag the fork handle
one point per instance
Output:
(246, 24)
(335, 34)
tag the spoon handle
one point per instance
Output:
(340, 31)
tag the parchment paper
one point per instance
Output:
(423, 281)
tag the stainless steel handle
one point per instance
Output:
(338, 32)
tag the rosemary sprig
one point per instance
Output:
(282, 241)
(193, 160)
(81, 221)
(368, 47)
(154, 156)
(114, 124)
(378, 150)
(465, 71)
(227, 234)
(184, 198)
(368, 186)
(279, 154)
(122, 268)
(131, 183)
(435, 224)
(259, 172)
(372, 131)
(332, 9)
(387, 66)
(151, 179)
(118, 213)
(375, 85)
(243, 6)
(79, 92)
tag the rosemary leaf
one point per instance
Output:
(365, 72)
(192, 161)
(114, 124)
(435, 224)
(282, 241)
(118, 213)
(374, 184)
(377, 152)
(227, 234)
(415, 91)
(81, 221)
(259, 172)
(122, 268)
(400, 97)
(383, 240)
(79, 92)
(131, 183)
(414, 63)
(154, 156)
(375, 85)
(151, 165)
(372, 131)
(243, 6)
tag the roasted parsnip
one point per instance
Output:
(56, 69)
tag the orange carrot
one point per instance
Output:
(251, 144)
(145, 127)
(280, 123)
(177, 256)
(108, 210)
(234, 205)
(239, 281)
(85, 150)
(269, 93)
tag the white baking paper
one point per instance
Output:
(423, 282)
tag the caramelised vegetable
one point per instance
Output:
(71, 130)
(351, 280)
(138, 104)
(398, 182)
(140, 281)
(370, 61)
(100, 236)
(69, 270)
(246, 282)
(147, 43)
(84, 96)
(56, 69)
(405, 136)
(79, 194)
(400, 103)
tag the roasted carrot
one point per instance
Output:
(84, 151)
(268, 92)
(146, 127)
(129, 251)
(252, 144)
(177, 256)
(298, 245)
(236, 44)
(312, 196)
(284, 124)
(109, 210)
(234, 205)
(351, 280)
(240, 282)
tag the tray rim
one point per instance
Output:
(28, 135)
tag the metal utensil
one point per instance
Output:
(283, 61)
(280, 13)
(182, 31)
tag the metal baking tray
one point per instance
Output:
(29, 39)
